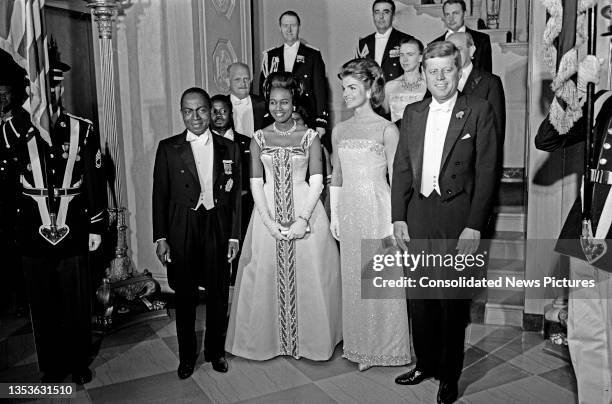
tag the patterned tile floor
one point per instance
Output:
(138, 365)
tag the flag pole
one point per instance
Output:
(588, 149)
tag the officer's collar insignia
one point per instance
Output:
(54, 234)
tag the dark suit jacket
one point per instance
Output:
(482, 56)
(468, 162)
(175, 182)
(390, 61)
(309, 68)
(259, 112)
(489, 87)
(548, 139)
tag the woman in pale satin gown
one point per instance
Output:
(375, 331)
(287, 298)
(409, 87)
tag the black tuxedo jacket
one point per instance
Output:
(548, 139)
(468, 162)
(309, 68)
(489, 87)
(482, 42)
(175, 181)
(390, 61)
(259, 112)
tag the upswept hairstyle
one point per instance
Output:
(441, 49)
(370, 74)
(414, 41)
(284, 80)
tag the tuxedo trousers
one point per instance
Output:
(199, 259)
(589, 333)
(60, 305)
(438, 324)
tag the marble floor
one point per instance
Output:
(138, 365)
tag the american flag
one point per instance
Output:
(23, 36)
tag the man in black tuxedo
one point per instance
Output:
(454, 19)
(480, 83)
(442, 192)
(306, 64)
(249, 110)
(221, 125)
(197, 184)
(383, 45)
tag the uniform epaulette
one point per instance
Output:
(79, 118)
(312, 47)
(269, 49)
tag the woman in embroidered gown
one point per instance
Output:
(287, 295)
(411, 86)
(375, 331)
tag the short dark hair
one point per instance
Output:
(196, 90)
(461, 2)
(385, 1)
(441, 49)
(285, 80)
(222, 98)
(370, 74)
(414, 41)
(290, 13)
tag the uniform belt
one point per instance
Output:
(601, 176)
(57, 192)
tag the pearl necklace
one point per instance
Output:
(286, 132)
(411, 86)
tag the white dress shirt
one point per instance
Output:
(244, 123)
(203, 154)
(449, 32)
(438, 120)
(229, 134)
(465, 73)
(290, 53)
(380, 45)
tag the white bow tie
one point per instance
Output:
(192, 138)
(439, 108)
(379, 36)
(244, 101)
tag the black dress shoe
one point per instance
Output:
(447, 393)
(219, 364)
(185, 370)
(415, 376)
(82, 376)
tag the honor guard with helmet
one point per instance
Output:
(60, 217)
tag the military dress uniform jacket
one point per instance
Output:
(390, 62)
(62, 195)
(309, 68)
(548, 139)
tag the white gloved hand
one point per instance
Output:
(334, 226)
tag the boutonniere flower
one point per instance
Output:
(459, 115)
(299, 59)
(227, 166)
(229, 184)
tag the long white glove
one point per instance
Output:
(261, 204)
(334, 194)
(298, 228)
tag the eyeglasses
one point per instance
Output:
(188, 112)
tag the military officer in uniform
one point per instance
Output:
(589, 334)
(306, 64)
(14, 122)
(60, 217)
